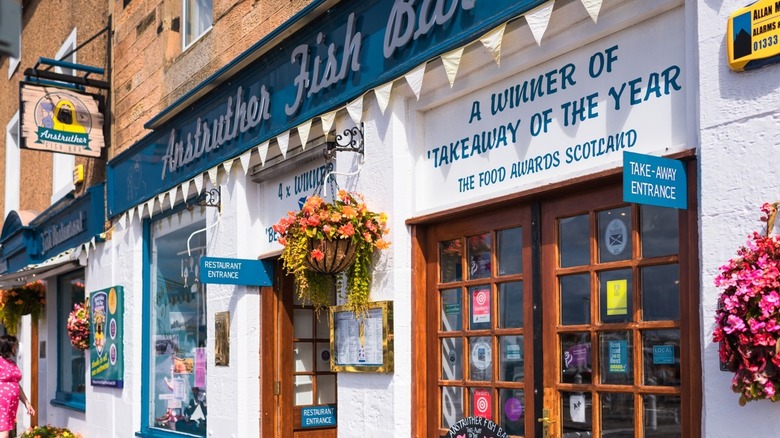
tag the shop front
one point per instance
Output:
(44, 257)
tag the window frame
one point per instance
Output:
(63, 164)
(13, 170)
(184, 16)
(66, 399)
(147, 430)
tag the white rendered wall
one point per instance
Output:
(740, 120)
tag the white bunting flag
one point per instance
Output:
(451, 62)
(303, 133)
(538, 19)
(159, 200)
(415, 78)
(244, 158)
(593, 7)
(492, 42)
(382, 94)
(228, 166)
(172, 196)
(122, 220)
(355, 110)
(213, 176)
(150, 207)
(327, 121)
(198, 184)
(284, 142)
(262, 150)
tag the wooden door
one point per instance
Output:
(612, 340)
(304, 389)
(568, 317)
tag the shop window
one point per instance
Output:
(12, 165)
(174, 381)
(71, 362)
(198, 17)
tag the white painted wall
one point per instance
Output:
(740, 118)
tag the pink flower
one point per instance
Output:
(317, 255)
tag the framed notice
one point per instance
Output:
(106, 330)
(362, 343)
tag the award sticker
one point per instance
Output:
(616, 237)
(481, 355)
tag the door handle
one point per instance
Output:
(546, 423)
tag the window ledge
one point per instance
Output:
(73, 405)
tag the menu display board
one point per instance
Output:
(362, 342)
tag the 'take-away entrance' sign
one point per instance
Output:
(244, 272)
(654, 181)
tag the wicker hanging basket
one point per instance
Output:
(339, 254)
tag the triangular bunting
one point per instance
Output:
(283, 140)
(228, 165)
(492, 42)
(382, 94)
(93, 243)
(262, 150)
(355, 110)
(135, 212)
(172, 196)
(244, 158)
(303, 133)
(593, 7)
(159, 200)
(198, 184)
(415, 78)
(327, 121)
(451, 62)
(538, 19)
(122, 220)
(150, 207)
(213, 176)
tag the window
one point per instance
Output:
(71, 365)
(174, 382)
(12, 165)
(63, 164)
(198, 17)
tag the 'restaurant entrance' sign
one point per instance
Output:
(60, 120)
(752, 35)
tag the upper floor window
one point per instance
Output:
(197, 18)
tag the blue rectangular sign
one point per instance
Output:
(318, 416)
(618, 356)
(245, 272)
(654, 181)
(663, 354)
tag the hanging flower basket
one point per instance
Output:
(337, 255)
(325, 238)
(78, 326)
(25, 300)
(748, 315)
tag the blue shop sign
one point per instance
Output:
(245, 272)
(330, 60)
(654, 181)
(318, 416)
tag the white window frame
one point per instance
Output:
(184, 16)
(13, 63)
(13, 166)
(63, 164)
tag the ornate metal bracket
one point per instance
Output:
(351, 140)
(209, 198)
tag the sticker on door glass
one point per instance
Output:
(481, 355)
(616, 237)
(480, 306)
(576, 356)
(663, 354)
(577, 408)
(617, 297)
(513, 409)
(618, 356)
(482, 403)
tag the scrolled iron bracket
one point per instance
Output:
(209, 198)
(351, 140)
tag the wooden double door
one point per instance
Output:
(572, 316)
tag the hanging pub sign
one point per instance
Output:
(752, 35)
(61, 120)
(106, 328)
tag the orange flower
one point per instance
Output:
(348, 212)
(317, 255)
(382, 244)
(347, 230)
